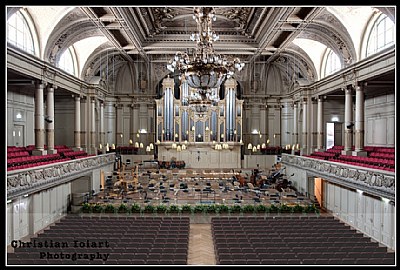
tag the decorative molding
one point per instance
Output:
(375, 182)
(35, 179)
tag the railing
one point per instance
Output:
(37, 178)
(376, 182)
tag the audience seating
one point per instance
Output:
(293, 240)
(132, 240)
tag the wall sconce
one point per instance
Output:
(151, 146)
(137, 135)
(113, 146)
(234, 131)
(121, 135)
(130, 141)
(222, 136)
(249, 146)
(258, 147)
(187, 132)
(183, 147)
(178, 148)
(100, 146)
(148, 149)
(176, 135)
(211, 132)
(192, 128)
(141, 145)
(158, 142)
(173, 145)
(207, 128)
(268, 141)
(163, 131)
(254, 149)
(263, 145)
(136, 144)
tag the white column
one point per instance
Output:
(119, 133)
(39, 121)
(304, 133)
(359, 123)
(77, 131)
(348, 122)
(93, 126)
(320, 125)
(50, 120)
(102, 133)
(295, 134)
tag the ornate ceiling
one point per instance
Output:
(155, 34)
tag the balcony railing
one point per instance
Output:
(376, 182)
(33, 179)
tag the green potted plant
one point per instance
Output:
(235, 209)
(273, 209)
(173, 209)
(284, 208)
(198, 208)
(298, 208)
(97, 208)
(149, 209)
(222, 208)
(109, 208)
(123, 208)
(86, 208)
(248, 208)
(212, 208)
(187, 208)
(135, 208)
(161, 208)
(260, 208)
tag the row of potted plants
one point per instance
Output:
(198, 208)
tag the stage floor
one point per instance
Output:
(191, 186)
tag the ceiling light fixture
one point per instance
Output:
(205, 70)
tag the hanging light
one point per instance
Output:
(205, 70)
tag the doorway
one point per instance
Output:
(18, 135)
(333, 134)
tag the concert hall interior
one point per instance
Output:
(199, 135)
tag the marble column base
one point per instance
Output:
(38, 152)
(359, 153)
(77, 149)
(52, 151)
(347, 152)
(319, 150)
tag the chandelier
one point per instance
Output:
(205, 70)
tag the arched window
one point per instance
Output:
(19, 34)
(332, 63)
(66, 62)
(381, 36)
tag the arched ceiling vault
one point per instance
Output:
(155, 34)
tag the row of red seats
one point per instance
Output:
(376, 167)
(35, 164)
(382, 155)
(75, 154)
(17, 154)
(31, 159)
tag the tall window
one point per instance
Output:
(332, 63)
(381, 36)
(67, 62)
(19, 34)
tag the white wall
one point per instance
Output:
(373, 216)
(265, 161)
(19, 102)
(380, 121)
(64, 122)
(28, 215)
